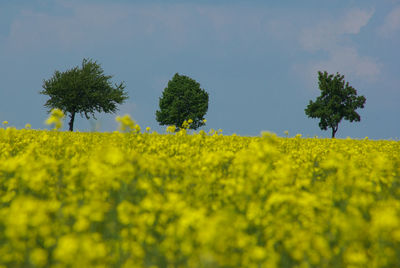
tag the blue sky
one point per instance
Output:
(257, 59)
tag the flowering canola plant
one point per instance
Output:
(132, 199)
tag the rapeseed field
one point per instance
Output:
(140, 199)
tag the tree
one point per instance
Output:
(84, 90)
(181, 100)
(338, 100)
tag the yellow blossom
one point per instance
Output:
(196, 200)
(56, 117)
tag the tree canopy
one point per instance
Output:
(83, 90)
(338, 100)
(181, 100)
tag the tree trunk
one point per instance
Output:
(71, 121)
(334, 130)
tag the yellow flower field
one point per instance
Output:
(200, 200)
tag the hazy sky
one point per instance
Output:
(257, 59)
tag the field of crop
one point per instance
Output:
(199, 200)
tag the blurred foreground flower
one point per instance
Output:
(127, 124)
(170, 129)
(56, 119)
(186, 124)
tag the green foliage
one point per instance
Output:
(84, 90)
(181, 100)
(338, 100)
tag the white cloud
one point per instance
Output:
(175, 24)
(391, 23)
(346, 60)
(330, 37)
(354, 21)
(93, 24)
(80, 25)
(98, 23)
(320, 37)
(327, 34)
